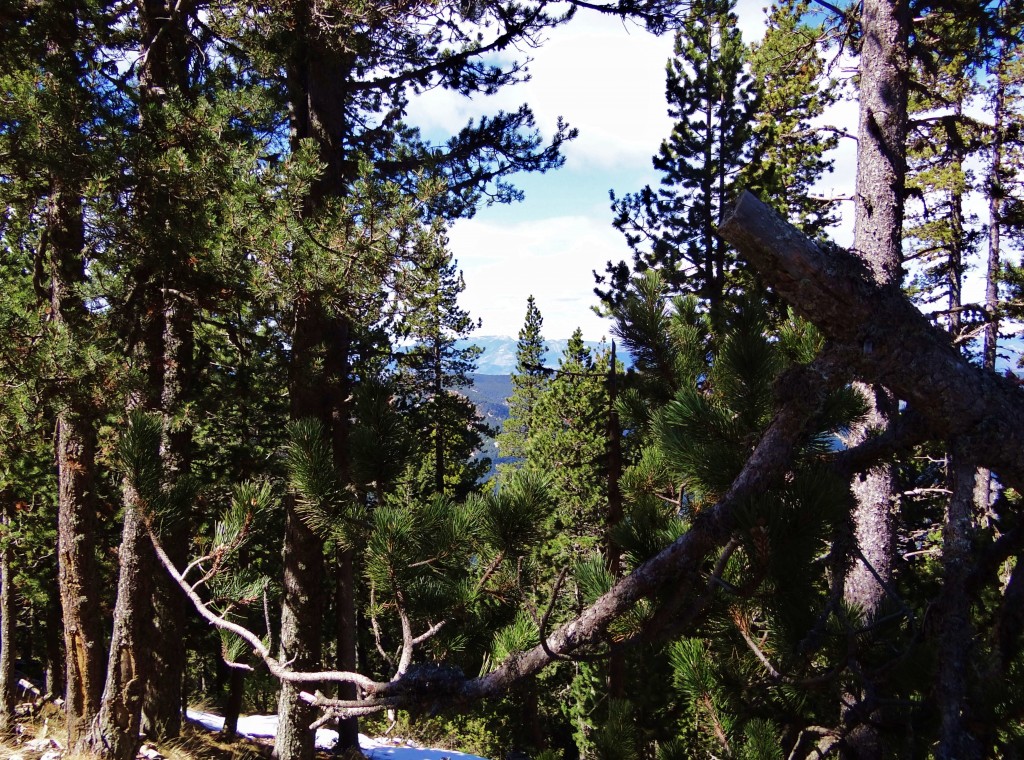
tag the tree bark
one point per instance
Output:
(75, 453)
(956, 629)
(233, 705)
(348, 645)
(165, 56)
(300, 635)
(990, 343)
(878, 225)
(53, 671)
(114, 734)
(301, 614)
(883, 339)
(316, 78)
(162, 705)
(6, 617)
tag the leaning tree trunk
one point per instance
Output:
(881, 173)
(114, 734)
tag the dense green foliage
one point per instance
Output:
(231, 321)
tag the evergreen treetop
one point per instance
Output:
(529, 382)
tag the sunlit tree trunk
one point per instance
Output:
(881, 174)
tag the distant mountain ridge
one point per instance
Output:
(499, 356)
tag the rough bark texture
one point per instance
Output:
(114, 734)
(881, 138)
(883, 339)
(77, 574)
(347, 659)
(317, 75)
(301, 635)
(162, 705)
(165, 53)
(6, 620)
(878, 225)
(75, 453)
(956, 629)
(873, 518)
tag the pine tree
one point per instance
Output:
(791, 154)
(941, 237)
(529, 382)
(743, 120)
(712, 98)
(694, 445)
(569, 440)
(50, 104)
(1005, 95)
(435, 370)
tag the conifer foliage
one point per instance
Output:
(229, 343)
(529, 382)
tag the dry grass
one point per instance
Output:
(195, 743)
(198, 744)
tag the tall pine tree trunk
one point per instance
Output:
(165, 53)
(300, 635)
(162, 704)
(6, 617)
(339, 384)
(114, 734)
(75, 453)
(881, 174)
(301, 622)
(347, 660)
(990, 344)
(53, 667)
(956, 629)
(316, 82)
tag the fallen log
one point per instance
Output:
(884, 339)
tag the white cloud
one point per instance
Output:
(608, 80)
(603, 77)
(550, 259)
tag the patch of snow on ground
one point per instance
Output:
(265, 727)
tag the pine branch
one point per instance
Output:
(677, 563)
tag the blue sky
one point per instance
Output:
(607, 79)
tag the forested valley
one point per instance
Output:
(240, 471)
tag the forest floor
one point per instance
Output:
(40, 736)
